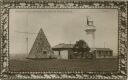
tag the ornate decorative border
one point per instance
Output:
(122, 8)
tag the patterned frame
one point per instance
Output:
(122, 8)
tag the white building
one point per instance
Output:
(90, 31)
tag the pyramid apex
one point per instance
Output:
(41, 29)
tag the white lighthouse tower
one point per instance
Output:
(90, 31)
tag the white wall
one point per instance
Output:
(64, 54)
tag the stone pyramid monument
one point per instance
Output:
(41, 47)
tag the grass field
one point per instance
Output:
(64, 65)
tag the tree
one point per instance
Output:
(81, 47)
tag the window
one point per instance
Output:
(100, 54)
(107, 53)
(110, 53)
(59, 53)
(44, 52)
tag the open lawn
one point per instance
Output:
(64, 65)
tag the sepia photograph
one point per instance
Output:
(63, 40)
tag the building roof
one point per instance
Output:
(64, 46)
(103, 49)
(67, 46)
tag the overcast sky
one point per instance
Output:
(62, 26)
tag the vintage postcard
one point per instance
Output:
(63, 39)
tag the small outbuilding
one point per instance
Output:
(102, 52)
(63, 51)
(66, 51)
